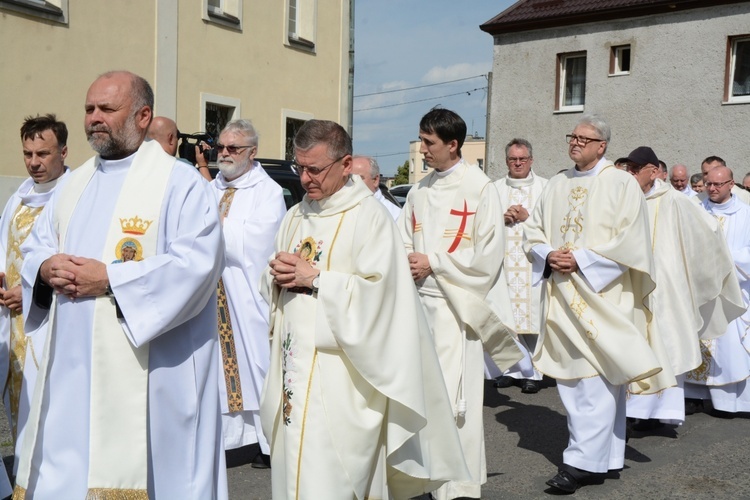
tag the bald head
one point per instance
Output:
(164, 131)
(679, 177)
(719, 182)
(367, 168)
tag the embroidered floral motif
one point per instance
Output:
(288, 349)
(701, 373)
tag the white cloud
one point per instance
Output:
(438, 74)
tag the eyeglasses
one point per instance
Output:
(312, 171)
(518, 159)
(709, 185)
(634, 169)
(580, 140)
(232, 150)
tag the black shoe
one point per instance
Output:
(261, 461)
(564, 482)
(650, 424)
(530, 386)
(504, 381)
(693, 406)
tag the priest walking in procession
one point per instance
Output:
(251, 206)
(451, 226)
(519, 192)
(354, 405)
(723, 374)
(44, 140)
(589, 238)
(696, 295)
(124, 261)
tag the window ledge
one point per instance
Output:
(624, 73)
(301, 43)
(39, 9)
(737, 100)
(219, 17)
(568, 109)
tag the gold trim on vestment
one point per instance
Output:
(116, 494)
(304, 421)
(19, 228)
(228, 352)
(19, 493)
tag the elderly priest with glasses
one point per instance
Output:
(588, 236)
(354, 405)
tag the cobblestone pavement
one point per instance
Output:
(706, 458)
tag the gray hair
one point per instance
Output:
(519, 142)
(244, 127)
(140, 90)
(315, 132)
(374, 167)
(598, 124)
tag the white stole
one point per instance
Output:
(118, 434)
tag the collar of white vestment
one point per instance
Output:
(592, 172)
(246, 180)
(518, 183)
(37, 195)
(350, 195)
(659, 188)
(118, 419)
(447, 172)
(727, 208)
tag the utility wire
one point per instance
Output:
(420, 87)
(420, 100)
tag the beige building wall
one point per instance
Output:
(672, 100)
(189, 57)
(473, 152)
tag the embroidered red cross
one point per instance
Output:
(460, 233)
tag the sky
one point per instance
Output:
(401, 44)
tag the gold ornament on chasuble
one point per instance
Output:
(226, 334)
(18, 230)
(701, 373)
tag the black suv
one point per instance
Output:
(281, 172)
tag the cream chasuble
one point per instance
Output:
(726, 359)
(352, 403)
(697, 293)
(525, 299)
(587, 334)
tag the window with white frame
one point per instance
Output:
(225, 12)
(738, 81)
(301, 23)
(571, 77)
(53, 10)
(619, 60)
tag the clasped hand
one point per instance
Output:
(562, 261)
(289, 270)
(515, 214)
(75, 276)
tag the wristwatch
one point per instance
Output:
(315, 283)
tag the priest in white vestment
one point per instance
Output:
(706, 166)
(723, 374)
(680, 180)
(589, 237)
(251, 206)
(697, 293)
(451, 226)
(519, 192)
(369, 171)
(124, 260)
(354, 405)
(44, 140)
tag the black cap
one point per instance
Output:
(643, 155)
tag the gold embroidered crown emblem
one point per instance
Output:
(135, 225)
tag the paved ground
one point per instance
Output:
(707, 458)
